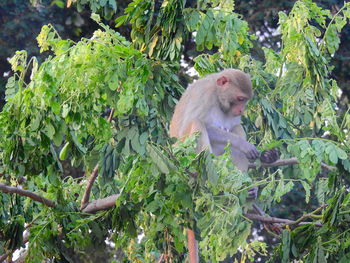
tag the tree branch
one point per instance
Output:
(310, 214)
(101, 204)
(15, 190)
(93, 176)
(111, 115)
(268, 219)
(93, 207)
(86, 197)
(284, 162)
(161, 259)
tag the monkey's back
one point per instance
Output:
(194, 103)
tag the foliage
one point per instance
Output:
(21, 23)
(60, 115)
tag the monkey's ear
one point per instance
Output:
(222, 81)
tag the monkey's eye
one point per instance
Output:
(241, 99)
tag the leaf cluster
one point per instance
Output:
(59, 116)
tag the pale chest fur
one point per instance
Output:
(218, 119)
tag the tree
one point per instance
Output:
(20, 23)
(104, 104)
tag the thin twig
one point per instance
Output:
(161, 258)
(284, 162)
(15, 190)
(111, 115)
(310, 214)
(268, 219)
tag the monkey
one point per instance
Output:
(212, 106)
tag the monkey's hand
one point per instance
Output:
(222, 137)
(249, 150)
(270, 156)
(253, 193)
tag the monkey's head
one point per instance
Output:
(234, 89)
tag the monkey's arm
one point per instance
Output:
(203, 141)
(221, 137)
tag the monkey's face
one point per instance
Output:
(237, 104)
(231, 95)
(234, 105)
(232, 101)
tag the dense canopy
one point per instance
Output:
(86, 162)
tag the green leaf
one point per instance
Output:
(282, 189)
(320, 252)
(65, 110)
(36, 122)
(345, 258)
(192, 22)
(157, 158)
(346, 164)
(64, 152)
(267, 190)
(307, 189)
(120, 20)
(341, 154)
(333, 157)
(143, 138)
(80, 147)
(152, 45)
(211, 169)
(58, 138)
(332, 152)
(286, 242)
(49, 130)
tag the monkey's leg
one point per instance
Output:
(203, 143)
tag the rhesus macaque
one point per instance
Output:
(213, 107)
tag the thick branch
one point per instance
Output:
(101, 204)
(31, 195)
(284, 162)
(91, 181)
